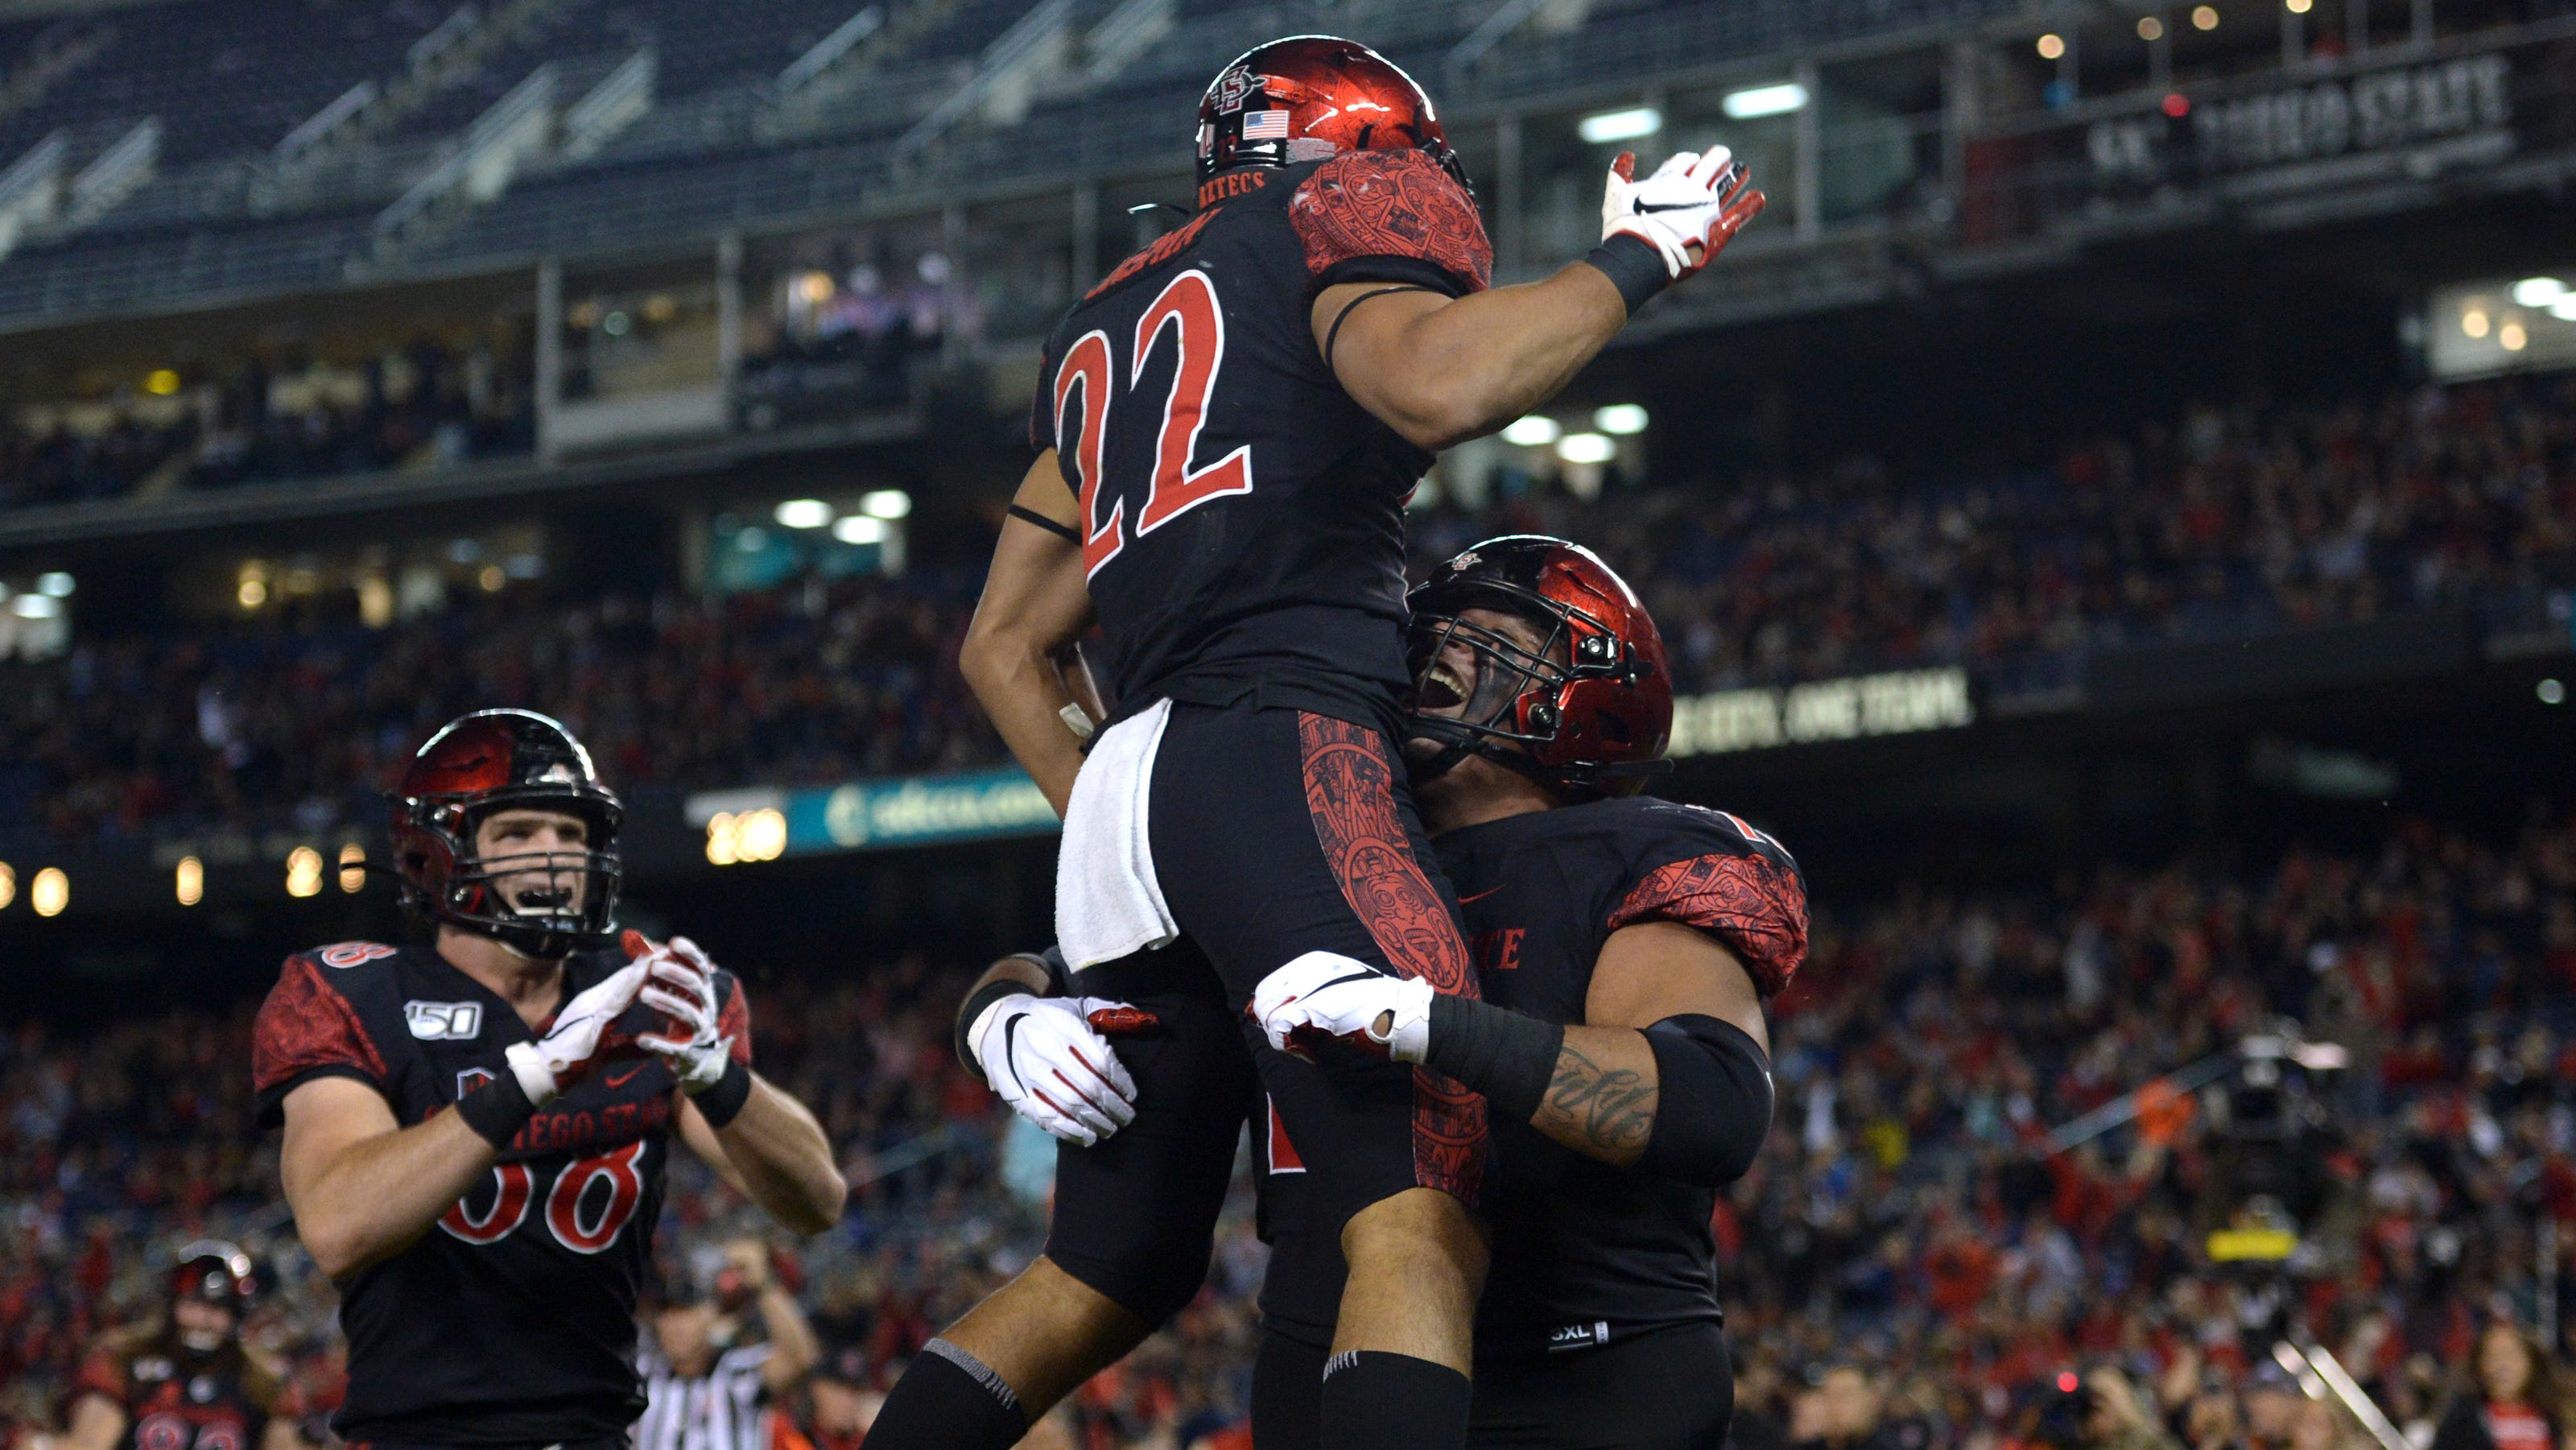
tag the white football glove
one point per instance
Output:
(1326, 994)
(1687, 211)
(581, 1038)
(1045, 1058)
(681, 985)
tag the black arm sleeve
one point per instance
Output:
(1713, 1107)
(1508, 1056)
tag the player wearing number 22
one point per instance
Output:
(476, 1131)
(1228, 428)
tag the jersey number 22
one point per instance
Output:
(1187, 308)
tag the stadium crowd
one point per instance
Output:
(263, 729)
(2223, 525)
(1906, 1267)
(421, 406)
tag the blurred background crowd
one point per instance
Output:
(2213, 526)
(1908, 1266)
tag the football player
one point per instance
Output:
(476, 1132)
(188, 1382)
(1625, 946)
(1229, 426)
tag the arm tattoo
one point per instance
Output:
(1609, 1112)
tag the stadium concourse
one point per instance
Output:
(1907, 1266)
(2212, 526)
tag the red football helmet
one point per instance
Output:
(1309, 98)
(493, 760)
(212, 1271)
(1588, 711)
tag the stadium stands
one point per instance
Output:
(1903, 1218)
(2217, 526)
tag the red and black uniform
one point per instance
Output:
(1585, 1256)
(1242, 524)
(1242, 517)
(512, 1322)
(176, 1398)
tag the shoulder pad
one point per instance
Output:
(1374, 204)
(1710, 869)
(347, 954)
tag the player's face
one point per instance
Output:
(540, 857)
(203, 1327)
(1464, 681)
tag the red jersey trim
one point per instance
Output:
(1756, 907)
(305, 1027)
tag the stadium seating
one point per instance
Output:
(2224, 526)
(1902, 1219)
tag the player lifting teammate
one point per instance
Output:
(1229, 426)
(476, 1132)
(1625, 945)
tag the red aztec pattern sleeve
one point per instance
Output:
(1391, 204)
(733, 1020)
(1350, 792)
(1753, 904)
(305, 1025)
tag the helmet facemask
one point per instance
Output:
(544, 903)
(1483, 690)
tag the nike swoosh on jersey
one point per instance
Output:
(612, 1080)
(1479, 896)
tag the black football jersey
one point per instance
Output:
(177, 1399)
(1582, 1252)
(512, 1322)
(1242, 517)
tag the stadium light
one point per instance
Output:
(2538, 291)
(2204, 17)
(353, 868)
(8, 885)
(2564, 309)
(2052, 47)
(55, 585)
(1534, 431)
(161, 382)
(1759, 101)
(860, 529)
(1627, 125)
(1620, 419)
(50, 892)
(2150, 28)
(35, 606)
(2297, 7)
(191, 881)
(886, 503)
(2552, 692)
(803, 513)
(303, 872)
(1586, 448)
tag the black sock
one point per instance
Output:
(948, 1400)
(1379, 1401)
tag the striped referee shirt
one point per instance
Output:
(723, 1409)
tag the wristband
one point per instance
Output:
(971, 1011)
(1633, 266)
(1508, 1056)
(497, 1110)
(722, 1103)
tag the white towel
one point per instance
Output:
(1107, 902)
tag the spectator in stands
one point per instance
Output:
(2514, 1401)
